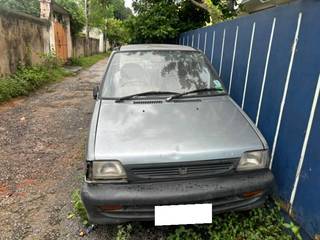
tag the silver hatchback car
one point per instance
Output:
(164, 131)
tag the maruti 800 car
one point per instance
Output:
(164, 131)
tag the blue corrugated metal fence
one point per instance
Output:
(270, 64)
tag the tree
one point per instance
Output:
(191, 17)
(119, 10)
(162, 20)
(156, 21)
(99, 11)
(217, 9)
(31, 7)
(116, 32)
(213, 10)
(226, 7)
(75, 8)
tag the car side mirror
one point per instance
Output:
(95, 92)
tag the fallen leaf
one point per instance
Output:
(71, 215)
(82, 233)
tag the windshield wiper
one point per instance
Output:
(144, 94)
(193, 91)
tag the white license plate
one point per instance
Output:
(183, 214)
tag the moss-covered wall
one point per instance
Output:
(23, 39)
(79, 46)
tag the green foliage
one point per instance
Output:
(124, 232)
(116, 32)
(225, 8)
(119, 10)
(184, 233)
(75, 61)
(294, 229)
(78, 207)
(191, 17)
(260, 223)
(99, 11)
(76, 10)
(51, 61)
(31, 7)
(157, 21)
(86, 62)
(30, 78)
(162, 20)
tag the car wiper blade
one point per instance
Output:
(193, 91)
(144, 94)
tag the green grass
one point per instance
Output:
(264, 223)
(28, 79)
(78, 207)
(258, 224)
(86, 62)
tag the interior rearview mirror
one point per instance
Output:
(95, 92)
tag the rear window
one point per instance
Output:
(142, 71)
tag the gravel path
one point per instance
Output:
(42, 140)
(42, 145)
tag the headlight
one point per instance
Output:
(106, 170)
(253, 160)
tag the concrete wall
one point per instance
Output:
(97, 34)
(23, 39)
(79, 45)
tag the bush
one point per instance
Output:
(51, 61)
(28, 79)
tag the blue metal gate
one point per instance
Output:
(270, 64)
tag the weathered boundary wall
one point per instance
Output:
(23, 39)
(79, 46)
(270, 64)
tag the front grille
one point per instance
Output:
(184, 170)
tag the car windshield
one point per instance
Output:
(136, 72)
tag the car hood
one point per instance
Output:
(136, 132)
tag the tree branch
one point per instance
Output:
(200, 5)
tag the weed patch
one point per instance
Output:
(79, 208)
(30, 78)
(261, 223)
(124, 232)
(86, 62)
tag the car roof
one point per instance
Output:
(144, 47)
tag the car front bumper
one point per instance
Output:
(138, 199)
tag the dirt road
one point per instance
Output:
(42, 145)
(42, 140)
